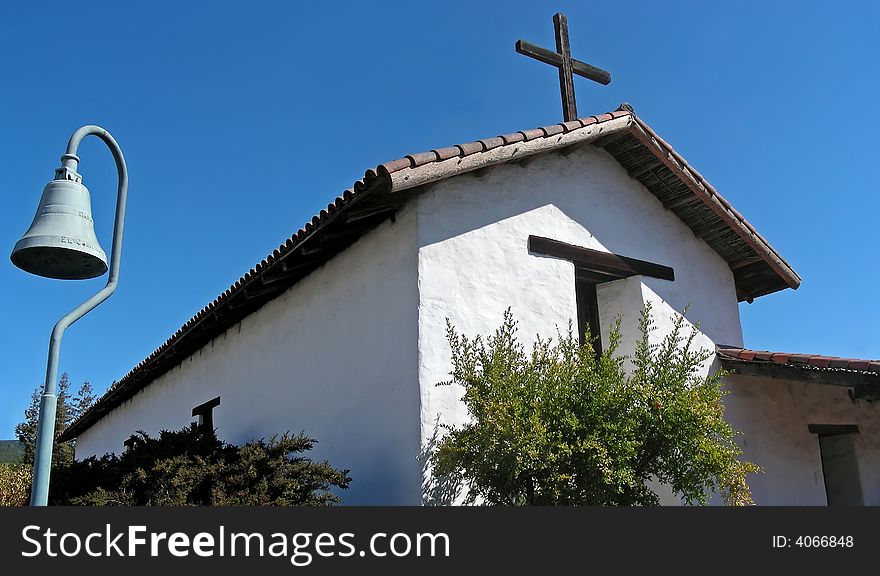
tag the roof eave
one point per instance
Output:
(861, 381)
(706, 192)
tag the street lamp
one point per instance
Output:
(61, 243)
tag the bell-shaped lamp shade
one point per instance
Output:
(61, 242)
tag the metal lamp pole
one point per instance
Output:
(48, 402)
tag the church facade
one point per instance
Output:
(341, 332)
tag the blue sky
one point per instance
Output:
(239, 121)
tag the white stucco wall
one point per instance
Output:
(774, 416)
(474, 262)
(334, 356)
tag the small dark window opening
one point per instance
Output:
(840, 467)
(205, 412)
(588, 314)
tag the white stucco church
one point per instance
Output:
(340, 332)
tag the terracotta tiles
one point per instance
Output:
(447, 153)
(800, 360)
(422, 158)
(512, 138)
(396, 165)
(491, 143)
(532, 134)
(470, 148)
(552, 130)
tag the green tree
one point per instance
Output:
(78, 405)
(561, 426)
(68, 409)
(192, 467)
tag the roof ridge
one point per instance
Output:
(485, 144)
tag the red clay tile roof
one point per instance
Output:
(757, 268)
(808, 361)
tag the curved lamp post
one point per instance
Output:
(61, 243)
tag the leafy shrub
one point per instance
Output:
(561, 426)
(15, 484)
(192, 467)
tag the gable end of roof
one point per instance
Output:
(757, 268)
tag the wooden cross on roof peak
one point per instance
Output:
(567, 65)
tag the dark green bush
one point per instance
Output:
(192, 467)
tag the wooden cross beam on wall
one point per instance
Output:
(567, 65)
(205, 412)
